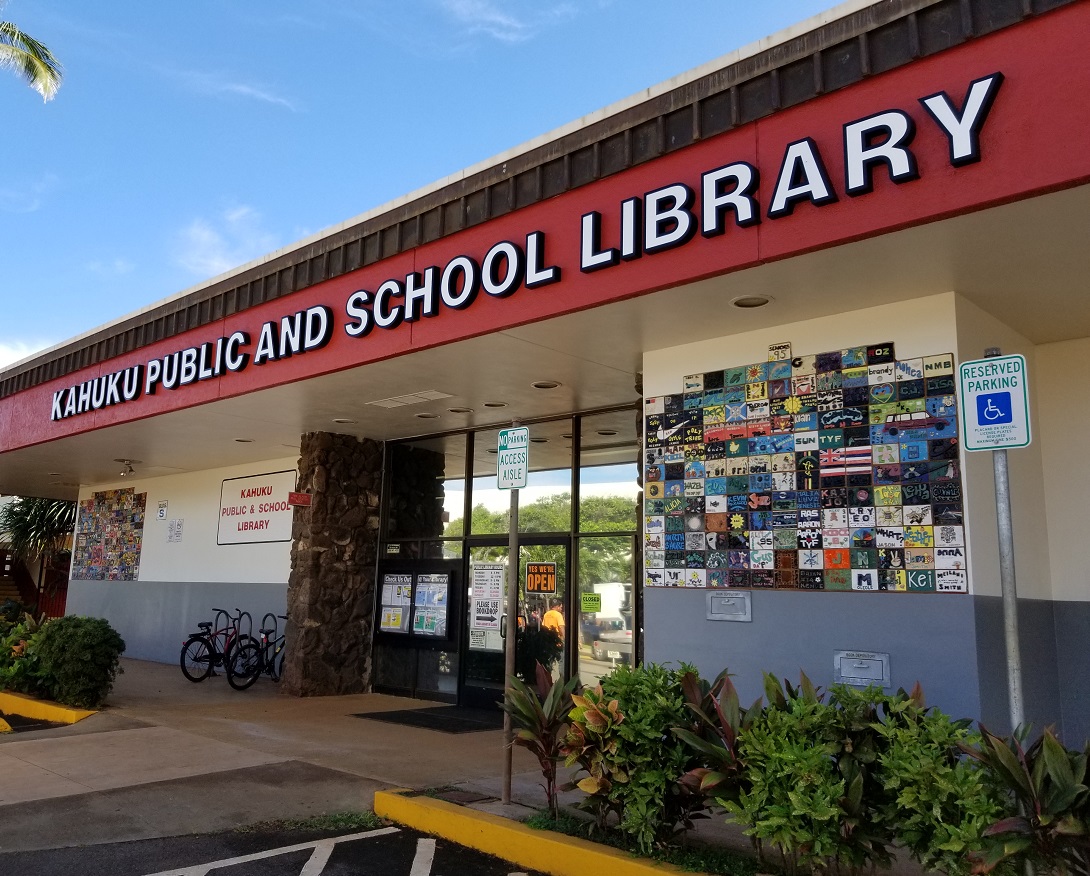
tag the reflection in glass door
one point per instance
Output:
(542, 605)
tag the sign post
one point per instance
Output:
(995, 416)
(512, 467)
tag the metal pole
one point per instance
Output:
(511, 640)
(1007, 580)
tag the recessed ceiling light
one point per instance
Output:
(427, 416)
(244, 440)
(749, 302)
(605, 433)
(54, 474)
(539, 440)
(495, 404)
(491, 450)
(544, 384)
(566, 435)
(344, 421)
(460, 410)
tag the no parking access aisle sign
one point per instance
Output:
(995, 402)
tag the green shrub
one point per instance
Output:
(622, 736)
(809, 791)
(939, 801)
(18, 659)
(79, 658)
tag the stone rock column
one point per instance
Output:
(333, 553)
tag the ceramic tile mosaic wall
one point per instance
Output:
(109, 533)
(835, 471)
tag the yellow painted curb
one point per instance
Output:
(548, 852)
(40, 710)
(5, 727)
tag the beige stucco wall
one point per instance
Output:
(195, 498)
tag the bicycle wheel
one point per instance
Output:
(244, 664)
(196, 658)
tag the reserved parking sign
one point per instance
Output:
(995, 403)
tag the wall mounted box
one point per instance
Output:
(861, 668)
(728, 606)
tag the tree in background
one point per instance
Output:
(30, 59)
(39, 529)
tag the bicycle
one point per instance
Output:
(249, 660)
(203, 651)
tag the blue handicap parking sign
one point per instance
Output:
(994, 408)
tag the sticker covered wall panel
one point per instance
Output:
(834, 471)
(109, 536)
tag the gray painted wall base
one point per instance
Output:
(953, 645)
(154, 618)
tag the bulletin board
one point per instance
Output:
(109, 535)
(417, 602)
(833, 471)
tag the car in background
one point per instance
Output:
(896, 423)
(612, 641)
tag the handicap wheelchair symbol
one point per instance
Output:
(994, 408)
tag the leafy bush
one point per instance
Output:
(1047, 782)
(79, 658)
(18, 660)
(621, 736)
(939, 800)
(540, 719)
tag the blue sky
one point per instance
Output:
(189, 138)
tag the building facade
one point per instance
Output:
(731, 312)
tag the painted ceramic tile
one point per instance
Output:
(653, 578)
(779, 352)
(695, 540)
(694, 400)
(694, 559)
(784, 540)
(837, 558)
(808, 539)
(916, 494)
(712, 380)
(808, 498)
(695, 578)
(675, 559)
(737, 559)
(762, 579)
(888, 515)
(654, 506)
(951, 581)
(674, 578)
(761, 540)
(673, 403)
(654, 559)
(693, 383)
(783, 424)
(780, 370)
(878, 353)
(838, 579)
(891, 558)
(654, 541)
(757, 372)
(787, 579)
(653, 405)
(716, 579)
(811, 579)
(864, 579)
(694, 487)
(779, 389)
(949, 536)
(919, 581)
(941, 385)
(911, 389)
(889, 536)
(936, 366)
(738, 578)
(715, 522)
(762, 559)
(830, 361)
(909, 369)
(949, 558)
(787, 559)
(734, 395)
(757, 406)
(892, 580)
(836, 537)
(714, 414)
(803, 384)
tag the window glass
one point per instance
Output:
(425, 488)
(608, 473)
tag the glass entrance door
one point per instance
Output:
(543, 608)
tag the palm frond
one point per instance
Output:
(32, 528)
(30, 59)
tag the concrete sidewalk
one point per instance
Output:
(168, 757)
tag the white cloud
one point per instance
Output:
(209, 247)
(497, 18)
(13, 351)
(27, 196)
(220, 85)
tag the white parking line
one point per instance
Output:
(425, 854)
(314, 866)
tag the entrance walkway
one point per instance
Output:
(167, 757)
